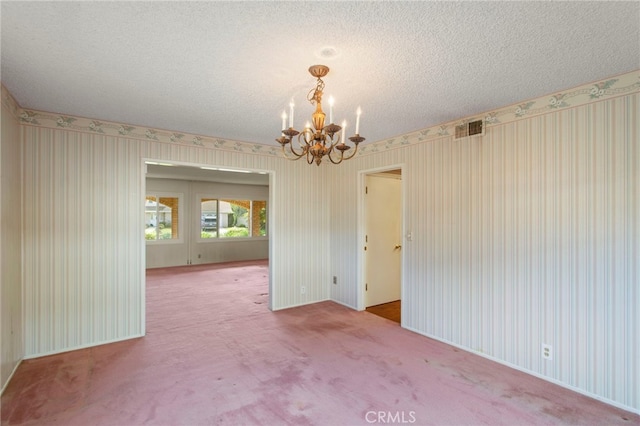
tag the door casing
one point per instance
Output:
(362, 231)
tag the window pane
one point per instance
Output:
(150, 218)
(168, 218)
(161, 218)
(234, 218)
(259, 218)
(208, 218)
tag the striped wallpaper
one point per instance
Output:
(529, 235)
(84, 258)
(11, 325)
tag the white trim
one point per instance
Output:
(86, 346)
(143, 250)
(362, 230)
(270, 242)
(313, 302)
(10, 376)
(345, 305)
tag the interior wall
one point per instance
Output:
(84, 254)
(12, 348)
(174, 252)
(529, 235)
(193, 251)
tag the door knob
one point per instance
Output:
(397, 247)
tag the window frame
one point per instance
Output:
(218, 239)
(181, 214)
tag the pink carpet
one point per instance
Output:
(214, 354)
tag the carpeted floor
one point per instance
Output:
(214, 354)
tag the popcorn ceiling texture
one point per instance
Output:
(227, 69)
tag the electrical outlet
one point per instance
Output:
(547, 352)
(335, 279)
(303, 290)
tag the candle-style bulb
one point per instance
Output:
(291, 105)
(358, 113)
(344, 129)
(331, 109)
(284, 120)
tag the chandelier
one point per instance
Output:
(320, 141)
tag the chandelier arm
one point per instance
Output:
(304, 148)
(332, 148)
(293, 151)
(304, 137)
(353, 153)
(332, 160)
(337, 140)
(285, 155)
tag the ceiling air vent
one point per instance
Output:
(470, 128)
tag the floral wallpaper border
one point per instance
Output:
(581, 95)
(592, 92)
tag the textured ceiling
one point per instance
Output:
(229, 69)
(164, 171)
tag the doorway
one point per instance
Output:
(382, 255)
(186, 245)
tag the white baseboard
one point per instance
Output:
(75, 348)
(300, 304)
(5, 384)
(344, 304)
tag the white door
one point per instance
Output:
(383, 240)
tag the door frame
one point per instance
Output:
(362, 230)
(270, 226)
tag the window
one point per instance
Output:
(208, 218)
(259, 218)
(224, 218)
(161, 217)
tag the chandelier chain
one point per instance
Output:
(312, 96)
